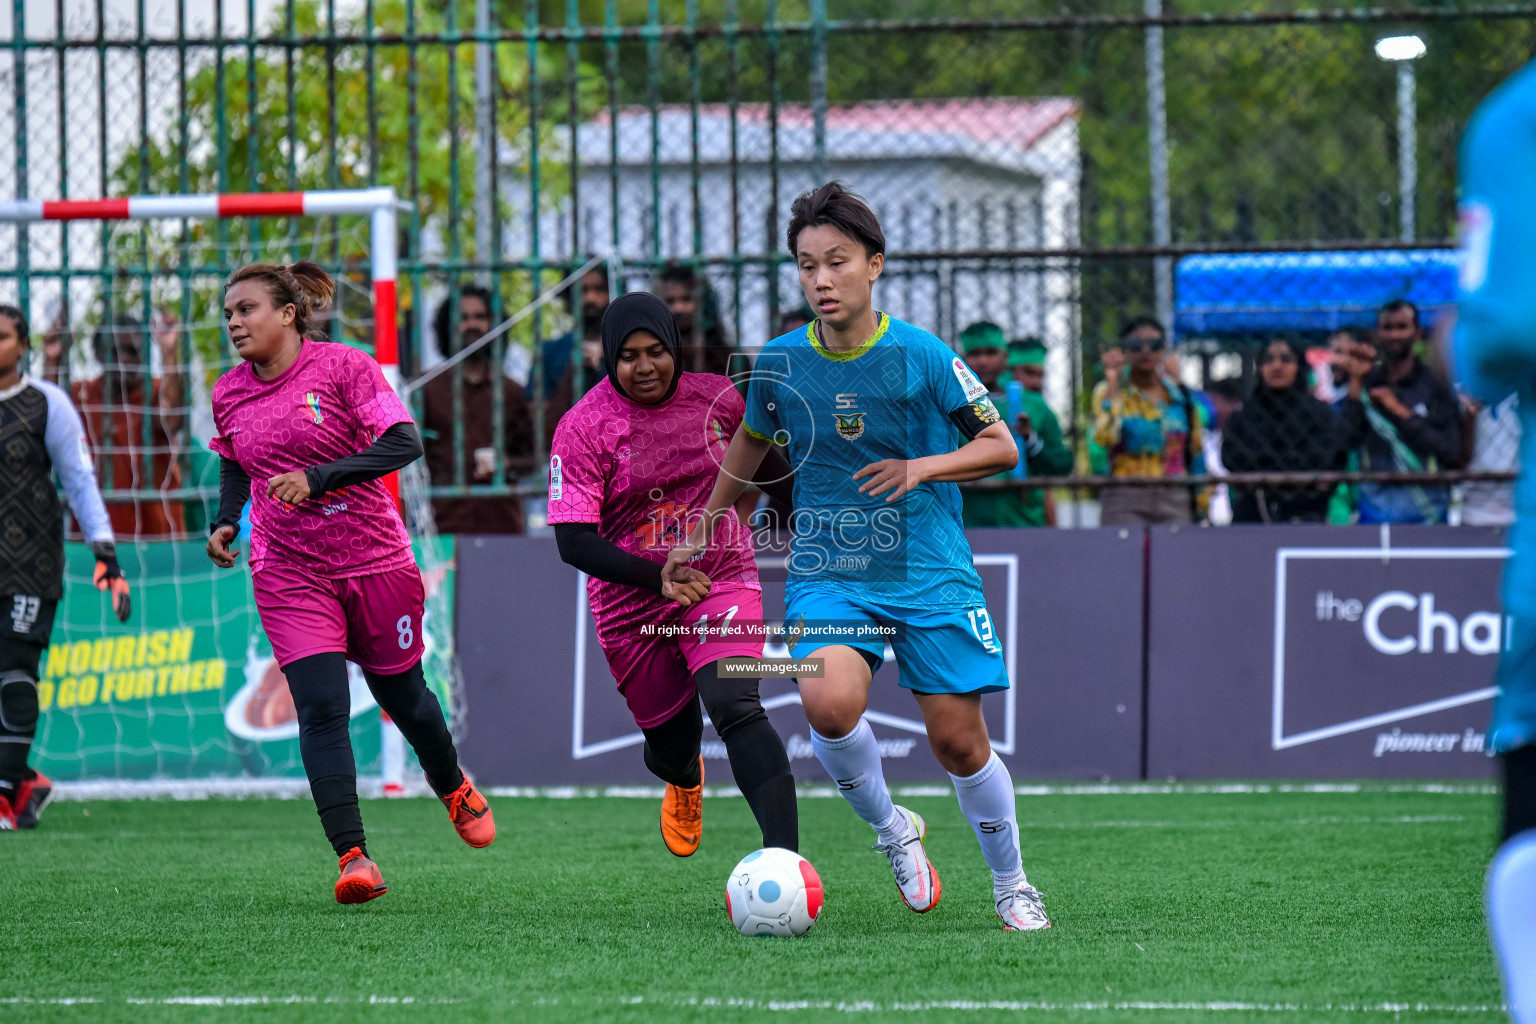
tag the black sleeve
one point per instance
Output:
(1438, 434)
(1237, 451)
(775, 477)
(1323, 438)
(234, 492)
(1353, 425)
(582, 547)
(396, 448)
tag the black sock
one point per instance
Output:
(336, 802)
(14, 748)
(1519, 791)
(762, 774)
(19, 662)
(672, 748)
(407, 700)
(323, 701)
(758, 760)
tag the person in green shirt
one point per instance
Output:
(1051, 457)
(988, 355)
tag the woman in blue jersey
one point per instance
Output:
(866, 407)
(1496, 354)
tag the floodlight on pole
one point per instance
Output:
(1403, 51)
(1395, 48)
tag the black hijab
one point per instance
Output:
(1285, 430)
(639, 311)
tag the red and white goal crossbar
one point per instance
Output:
(380, 204)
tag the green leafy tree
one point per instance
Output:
(285, 142)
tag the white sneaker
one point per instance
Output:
(1022, 910)
(916, 880)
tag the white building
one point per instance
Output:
(945, 176)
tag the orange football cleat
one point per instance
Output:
(471, 815)
(360, 880)
(682, 816)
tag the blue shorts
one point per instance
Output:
(1514, 709)
(949, 650)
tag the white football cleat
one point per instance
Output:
(916, 880)
(1022, 910)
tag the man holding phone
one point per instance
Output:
(1399, 415)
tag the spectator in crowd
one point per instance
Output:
(1490, 443)
(1400, 415)
(1026, 363)
(986, 353)
(1281, 428)
(1037, 421)
(57, 341)
(1226, 397)
(794, 320)
(1336, 386)
(561, 389)
(1173, 366)
(1343, 507)
(134, 432)
(696, 311)
(1148, 426)
(479, 455)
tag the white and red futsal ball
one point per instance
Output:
(773, 892)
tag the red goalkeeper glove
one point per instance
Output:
(109, 576)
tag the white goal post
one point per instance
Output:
(380, 205)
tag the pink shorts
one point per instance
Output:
(656, 676)
(374, 620)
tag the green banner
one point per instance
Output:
(187, 687)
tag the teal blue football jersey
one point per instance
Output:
(1496, 351)
(1495, 338)
(837, 412)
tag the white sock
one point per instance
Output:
(853, 761)
(987, 801)
(1512, 920)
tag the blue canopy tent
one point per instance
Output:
(1257, 294)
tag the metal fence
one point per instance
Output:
(1052, 167)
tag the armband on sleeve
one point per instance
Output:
(975, 417)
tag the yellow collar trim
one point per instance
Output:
(851, 354)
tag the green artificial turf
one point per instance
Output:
(1275, 906)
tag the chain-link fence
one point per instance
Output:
(1054, 168)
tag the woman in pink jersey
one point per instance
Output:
(306, 429)
(627, 464)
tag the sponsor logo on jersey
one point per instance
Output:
(969, 382)
(1476, 230)
(850, 426)
(312, 403)
(556, 479)
(792, 634)
(719, 432)
(986, 412)
(336, 501)
(664, 528)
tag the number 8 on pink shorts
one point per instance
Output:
(375, 620)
